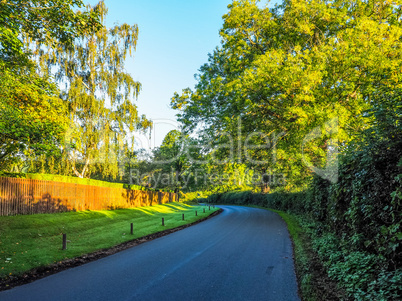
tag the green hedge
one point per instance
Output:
(74, 180)
(293, 202)
(360, 272)
(354, 224)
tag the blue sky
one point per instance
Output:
(175, 37)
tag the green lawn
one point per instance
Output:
(31, 241)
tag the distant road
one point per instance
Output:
(241, 254)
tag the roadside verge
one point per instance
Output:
(44, 270)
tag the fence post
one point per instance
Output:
(64, 242)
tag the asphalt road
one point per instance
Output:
(241, 254)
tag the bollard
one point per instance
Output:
(64, 242)
(209, 208)
(182, 217)
(196, 213)
(163, 221)
(132, 228)
(204, 210)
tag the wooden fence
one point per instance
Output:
(26, 196)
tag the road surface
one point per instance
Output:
(241, 254)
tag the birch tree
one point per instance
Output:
(99, 93)
(32, 116)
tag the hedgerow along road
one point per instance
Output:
(241, 254)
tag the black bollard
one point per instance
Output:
(64, 242)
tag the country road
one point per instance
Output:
(241, 254)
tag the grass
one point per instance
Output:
(32, 241)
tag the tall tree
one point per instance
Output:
(303, 70)
(99, 94)
(32, 116)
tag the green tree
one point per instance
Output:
(43, 21)
(32, 116)
(99, 94)
(292, 70)
(171, 159)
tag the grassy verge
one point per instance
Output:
(32, 241)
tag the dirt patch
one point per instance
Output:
(41, 272)
(322, 287)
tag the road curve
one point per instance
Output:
(241, 254)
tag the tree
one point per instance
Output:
(292, 71)
(44, 21)
(171, 159)
(33, 117)
(99, 94)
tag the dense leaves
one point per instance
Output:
(99, 93)
(86, 124)
(32, 116)
(293, 69)
(44, 21)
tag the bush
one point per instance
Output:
(68, 179)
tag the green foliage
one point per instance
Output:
(99, 95)
(84, 128)
(32, 117)
(44, 21)
(70, 179)
(171, 160)
(364, 204)
(355, 224)
(194, 196)
(290, 70)
(276, 200)
(362, 273)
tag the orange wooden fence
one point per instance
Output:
(26, 196)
